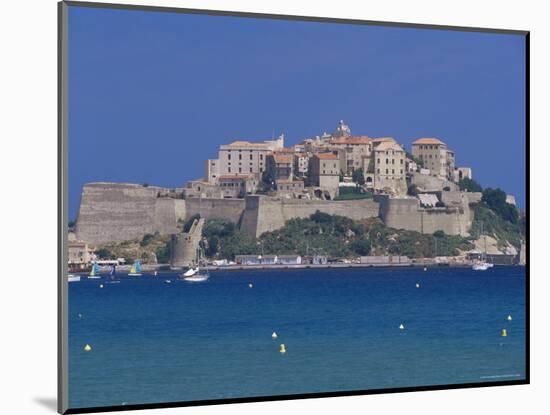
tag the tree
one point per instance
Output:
(361, 246)
(163, 253)
(495, 199)
(468, 185)
(147, 238)
(439, 234)
(104, 253)
(358, 177)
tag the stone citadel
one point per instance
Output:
(260, 185)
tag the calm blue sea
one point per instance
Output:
(155, 342)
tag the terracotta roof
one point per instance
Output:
(383, 140)
(235, 177)
(428, 141)
(388, 145)
(361, 139)
(326, 156)
(283, 158)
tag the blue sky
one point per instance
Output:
(152, 95)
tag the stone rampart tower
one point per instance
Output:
(184, 246)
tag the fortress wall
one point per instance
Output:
(400, 213)
(407, 214)
(264, 214)
(116, 212)
(165, 219)
(431, 183)
(227, 209)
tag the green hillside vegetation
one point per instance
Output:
(150, 247)
(331, 235)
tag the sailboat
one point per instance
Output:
(135, 271)
(482, 264)
(196, 274)
(112, 275)
(73, 278)
(94, 272)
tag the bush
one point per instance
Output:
(104, 253)
(469, 185)
(147, 238)
(439, 234)
(495, 199)
(163, 253)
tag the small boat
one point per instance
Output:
(168, 281)
(112, 275)
(94, 272)
(73, 278)
(481, 266)
(196, 274)
(135, 271)
(190, 272)
(199, 276)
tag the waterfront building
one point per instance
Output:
(301, 163)
(211, 171)
(289, 259)
(435, 156)
(80, 255)
(342, 130)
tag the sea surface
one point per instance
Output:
(155, 342)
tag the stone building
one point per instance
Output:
(243, 157)
(289, 186)
(237, 185)
(324, 172)
(355, 148)
(80, 255)
(435, 156)
(281, 164)
(301, 164)
(184, 246)
(211, 170)
(389, 168)
(342, 130)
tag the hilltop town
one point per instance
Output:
(259, 186)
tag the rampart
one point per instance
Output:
(264, 214)
(184, 246)
(406, 213)
(113, 212)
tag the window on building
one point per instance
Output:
(251, 170)
(401, 161)
(229, 156)
(387, 161)
(240, 156)
(378, 171)
(387, 171)
(378, 161)
(229, 169)
(240, 170)
(261, 156)
(250, 156)
(392, 171)
(392, 161)
(401, 172)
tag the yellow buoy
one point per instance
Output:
(100, 285)
(417, 285)
(504, 333)
(87, 348)
(282, 348)
(274, 335)
(509, 318)
(401, 327)
(250, 285)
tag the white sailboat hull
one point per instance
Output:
(73, 278)
(196, 278)
(190, 272)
